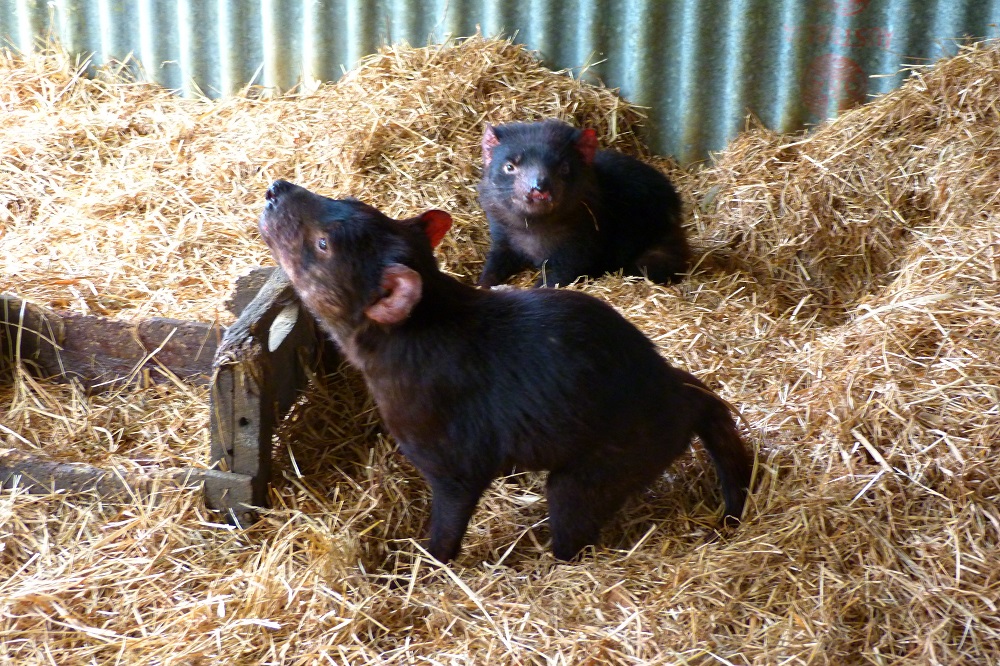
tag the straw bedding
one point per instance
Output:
(846, 303)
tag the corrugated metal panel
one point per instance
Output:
(700, 65)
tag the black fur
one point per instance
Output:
(473, 382)
(555, 204)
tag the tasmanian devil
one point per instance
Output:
(473, 382)
(556, 202)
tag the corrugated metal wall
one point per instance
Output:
(700, 65)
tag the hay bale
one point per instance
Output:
(846, 302)
(130, 172)
(830, 217)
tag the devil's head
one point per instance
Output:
(350, 264)
(534, 167)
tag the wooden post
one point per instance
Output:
(260, 367)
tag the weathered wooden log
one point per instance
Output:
(101, 352)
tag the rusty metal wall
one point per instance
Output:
(699, 65)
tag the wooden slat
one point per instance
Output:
(36, 475)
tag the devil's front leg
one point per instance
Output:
(503, 260)
(567, 264)
(453, 502)
(457, 482)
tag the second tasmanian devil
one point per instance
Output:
(557, 203)
(472, 382)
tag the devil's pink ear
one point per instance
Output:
(436, 224)
(401, 291)
(490, 141)
(587, 145)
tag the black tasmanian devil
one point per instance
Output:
(472, 382)
(556, 202)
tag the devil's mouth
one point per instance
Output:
(536, 205)
(278, 233)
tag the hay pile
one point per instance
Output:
(847, 303)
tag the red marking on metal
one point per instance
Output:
(833, 80)
(848, 7)
(823, 34)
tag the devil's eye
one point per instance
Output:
(321, 243)
(509, 167)
(564, 168)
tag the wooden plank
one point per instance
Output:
(36, 475)
(246, 288)
(101, 352)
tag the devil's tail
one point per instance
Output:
(717, 431)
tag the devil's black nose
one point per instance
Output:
(276, 189)
(541, 184)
